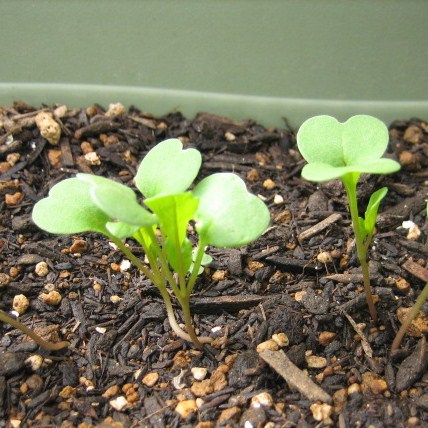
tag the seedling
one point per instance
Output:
(219, 208)
(43, 343)
(410, 317)
(347, 150)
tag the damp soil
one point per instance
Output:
(126, 368)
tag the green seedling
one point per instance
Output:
(4, 317)
(219, 209)
(345, 151)
(410, 317)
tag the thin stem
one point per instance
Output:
(410, 317)
(350, 183)
(166, 273)
(187, 316)
(191, 335)
(41, 342)
(196, 266)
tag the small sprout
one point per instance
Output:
(219, 208)
(347, 150)
(410, 317)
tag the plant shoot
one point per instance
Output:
(219, 208)
(347, 150)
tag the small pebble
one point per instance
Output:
(253, 175)
(86, 147)
(419, 325)
(78, 246)
(34, 362)
(315, 362)
(115, 299)
(281, 339)
(268, 345)
(374, 383)
(402, 285)
(326, 337)
(269, 184)
(186, 407)
(49, 127)
(20, 303)
(41, 269)
(199, 373)
(278, 199)
(355, 388)
(115, 109)
(119, 403)
(202, 388)
(67, 392)
(55, 158)
(230, 414)
(219, 275)
(229, 136)
(325, 257)
(124, 265)
(111, 392)
(413, 134)
(264, 399)
(322, 412)
(51, 298)
(60, 111)
(4, 279)
(298, 296)
(150, 379)
(13, 158)
(12, 199)
(34, 381)
(92, 158)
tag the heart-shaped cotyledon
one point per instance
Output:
(333, 149)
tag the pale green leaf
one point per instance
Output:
(69, 208)
(228, 215)
(372, 209)
(353, 146)
(117, 200)
(174, 213)
(167, 169)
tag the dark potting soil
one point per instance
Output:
(297, 288)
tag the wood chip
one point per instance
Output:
(295, 377)
(319, 227)
(226, 303)
(364, 342)
(416, 270)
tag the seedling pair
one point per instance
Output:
(345, 151)
(219, 209)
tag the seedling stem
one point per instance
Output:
(350, 182)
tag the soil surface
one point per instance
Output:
(298, 288)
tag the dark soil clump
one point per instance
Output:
(125, 368)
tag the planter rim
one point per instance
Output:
(269, 111)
